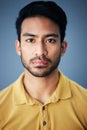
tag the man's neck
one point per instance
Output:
(41, 88)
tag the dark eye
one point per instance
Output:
(30, 40)
(51, 40)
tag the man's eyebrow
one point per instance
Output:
(52, 35)
(29, 34)
(47, 35)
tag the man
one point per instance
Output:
(42, 97)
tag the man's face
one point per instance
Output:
(40, 47)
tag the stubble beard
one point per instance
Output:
(44, 73)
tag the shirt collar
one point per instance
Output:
(62, 91)
(20, 95)
(19, 92)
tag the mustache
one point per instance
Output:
(41, 58)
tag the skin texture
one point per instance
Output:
(40, 50)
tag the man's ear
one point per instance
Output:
(63, 47)
(18, 47)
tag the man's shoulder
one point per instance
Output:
(71, 82)
(76, 89)
(6, 102)
(6, 93)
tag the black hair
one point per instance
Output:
(47, 9)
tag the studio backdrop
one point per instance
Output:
(73, 64)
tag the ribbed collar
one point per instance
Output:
(62, 92)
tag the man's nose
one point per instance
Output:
(41, 49)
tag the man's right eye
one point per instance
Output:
(30, 40)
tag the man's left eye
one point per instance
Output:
(51, 41)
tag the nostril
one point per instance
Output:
(41, 54)
(41, 50)
(46, 52)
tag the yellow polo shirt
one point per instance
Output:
(65, 110)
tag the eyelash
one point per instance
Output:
(30, 40)
(50, 40)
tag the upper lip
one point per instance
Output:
(40, 62)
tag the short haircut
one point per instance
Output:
(47, 9)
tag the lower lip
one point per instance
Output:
(39, 63)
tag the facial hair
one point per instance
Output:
(46, 72)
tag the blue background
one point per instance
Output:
(73, 64)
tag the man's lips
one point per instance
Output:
(39, 62)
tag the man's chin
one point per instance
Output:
(40, 73)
